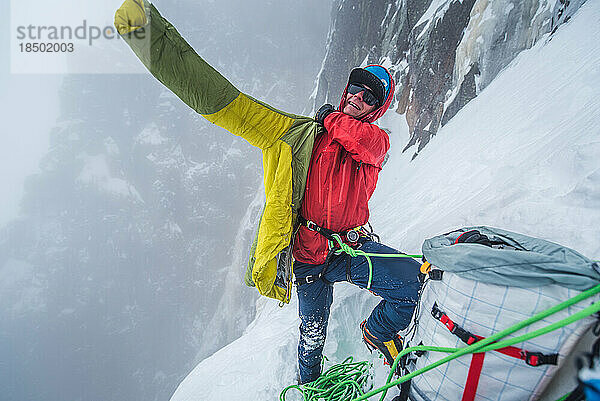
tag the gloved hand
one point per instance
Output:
(130, 16)
(323, 112)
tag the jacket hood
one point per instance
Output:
(362, 76)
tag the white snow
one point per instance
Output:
(173, 228)
(590, 374)
(96, 172)
(543, 6)
(523, 156)
(387, 13)
(436, 9)
(151, 135)
(112, 149)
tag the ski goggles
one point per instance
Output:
(368, 97)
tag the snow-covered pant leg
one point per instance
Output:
(396, 281)
(314, 303)
(388, 318)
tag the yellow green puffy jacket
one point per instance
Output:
(286, 140)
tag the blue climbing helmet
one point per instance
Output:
(381, 83)
(375, 77)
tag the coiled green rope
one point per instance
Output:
(341, 382)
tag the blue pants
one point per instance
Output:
(394, 279)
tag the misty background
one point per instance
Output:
(126, 217)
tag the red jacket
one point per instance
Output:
(342, 176)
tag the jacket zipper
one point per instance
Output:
(342, 188)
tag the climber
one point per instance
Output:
(318, 175)
(343, 172)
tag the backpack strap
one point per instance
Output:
(477, 359)
(530, 358)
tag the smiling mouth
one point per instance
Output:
(353, 105)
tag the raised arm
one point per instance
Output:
(286, 140)
(174, 62)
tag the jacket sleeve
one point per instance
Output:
(366, 143)
(176, 64)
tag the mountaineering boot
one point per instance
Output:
(389, 349)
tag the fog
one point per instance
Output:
(28, 107)
(126, 217)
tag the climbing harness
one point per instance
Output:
(337, 247)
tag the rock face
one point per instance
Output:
(442, 53)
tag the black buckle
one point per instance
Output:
(308, 279)
(311, 225)
(537, 359)
(436, 274)
(436, 312)
(465, 336)
(420, 353)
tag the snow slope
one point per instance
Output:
(523, 156)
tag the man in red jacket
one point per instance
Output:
(342, 176)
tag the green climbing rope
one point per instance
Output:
(345, 248)
(564, 397)
(341, 382)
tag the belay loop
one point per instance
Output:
(347, 249)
